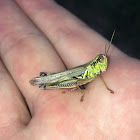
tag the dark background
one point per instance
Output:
(106, 15)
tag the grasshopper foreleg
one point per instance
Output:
(111, 91)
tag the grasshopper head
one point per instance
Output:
(101, 59)
(101, 62)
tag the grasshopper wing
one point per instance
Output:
(71, 83)
(73, 73)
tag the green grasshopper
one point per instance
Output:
(75, 77)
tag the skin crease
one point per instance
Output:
(42, 36)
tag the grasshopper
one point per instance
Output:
(75, 77)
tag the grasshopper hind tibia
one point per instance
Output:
(43, 74)
(42, 86)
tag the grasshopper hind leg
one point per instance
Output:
(83, 93)
(43, 74)
(42, 86)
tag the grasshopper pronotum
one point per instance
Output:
(75, 77)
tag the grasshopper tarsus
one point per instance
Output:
(43, 74)
(82, 98)
(63, 92)
(111, 91)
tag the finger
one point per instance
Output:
(71, 37)
(25, 50)
(13, 110)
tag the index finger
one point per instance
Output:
(70, 36)
(25, 50)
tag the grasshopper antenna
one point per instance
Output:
(106, 50)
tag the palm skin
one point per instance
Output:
(59, 41)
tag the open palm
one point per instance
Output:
(42, 36)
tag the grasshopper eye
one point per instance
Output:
(100, 59)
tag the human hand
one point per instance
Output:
(53, 41)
